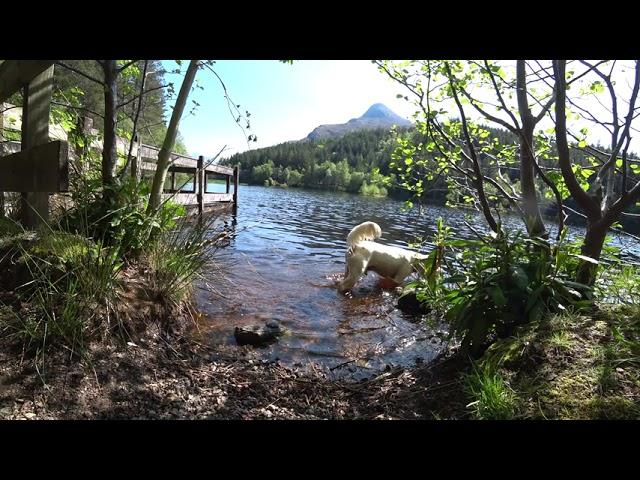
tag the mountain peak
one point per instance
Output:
(377, 116)
(380, 110)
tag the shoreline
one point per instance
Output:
(173, 378)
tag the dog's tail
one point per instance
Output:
(364, 231)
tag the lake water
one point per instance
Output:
(288, 248)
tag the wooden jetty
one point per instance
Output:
(193, 192)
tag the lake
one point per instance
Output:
(288, 248)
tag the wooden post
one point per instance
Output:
(200, 184)
(136, 161)
(236, 181)
(173, 181)
(134, 166)
(228, 182)
(35, 131)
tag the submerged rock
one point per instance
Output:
(258, 334)
(408, 303)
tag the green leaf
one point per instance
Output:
(497, 296)
(520, 278)
(585, 258)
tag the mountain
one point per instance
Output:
(378, 116)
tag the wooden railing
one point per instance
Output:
(144, 161)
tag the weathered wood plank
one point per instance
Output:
(190, 170)
(184, 167)
(15, 74)
(148, 152)
(217, 197)
(182, 198)
(192, 198)
(9, 147)
(43, 168)
(219, 169)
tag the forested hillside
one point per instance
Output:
(357, 162)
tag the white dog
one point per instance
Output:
(392, 263)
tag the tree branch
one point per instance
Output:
(133, 99)
(618, 145)
(127, 65)
(587, 203)
(487, 115)
(81, 73)
(499, 95)
(476, 164)
(78, 108)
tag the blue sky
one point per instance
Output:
(286, 101)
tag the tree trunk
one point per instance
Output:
(592, 247)
(134, 132)
(531, 207)
(109, 148)
(597, 224)
(610, 188)
(533, 220)
(169, 140)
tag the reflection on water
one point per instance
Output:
(288, 249)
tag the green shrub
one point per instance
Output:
(372, 190)
(429, 286)
(494, 283)
(9, 227)
(178, 257)
(121, 219)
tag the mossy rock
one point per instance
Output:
(65, 246)
(408, 302)
(258, 334)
